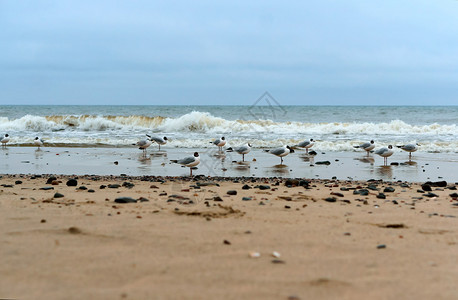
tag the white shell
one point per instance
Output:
(255, 254)
(276, 254)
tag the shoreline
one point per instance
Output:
(130, 161)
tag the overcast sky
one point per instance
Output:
(344, 52)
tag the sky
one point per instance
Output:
(316, 52)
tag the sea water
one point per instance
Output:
(335, 128)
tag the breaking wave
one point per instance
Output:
(203, 122)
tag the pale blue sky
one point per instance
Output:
(391, 52)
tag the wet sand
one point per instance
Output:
(191, 240)
(130, 161)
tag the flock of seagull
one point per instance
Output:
(281, 152)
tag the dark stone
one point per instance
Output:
(82, 188)
(128, 185)
(454, 195)
(372, 187)
(382, 246)
(72, 182)
(143, 199)
(102, 186)
(430, 195)
(217, 199)
(426, 187)
(395, 202)
(326, 162)
(330, 199)
(291, 182)
(278, 261)
(232, 192)
(47, 188)
(51, 179)
(362, 192)
(246, 187)
(246, 198)
(114, 186)
(420, 191)
(394, 164)
(125, 200)
(90, 191)
(442, 183)
(226, 242)
(381, 196)
(58, 195)
(389, 189)
(304, 183)
(18, 182)
(7, 185)
(263, 187)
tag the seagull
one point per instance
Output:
(190, 161)
(220, 143)
(367, 146)
(306, 145)
(385, 153)
(409, 148)
(5, 140)
(281, 151)
(39, 142)
(160, 141)
(241, 150)
(143, 144)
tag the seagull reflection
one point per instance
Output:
(146, 161)
(38, 153)
(410, 163)
(154, 154)
(385, 171)
(366, 159)
(307, 158)
(279, 169)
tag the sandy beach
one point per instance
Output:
(226, 238)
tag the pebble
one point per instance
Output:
(217, 199)
(72, 182)
(47, 188)
(58, 195)
(381, 196)
(246, 198)
(246, 187)
(125, 200)
(232, 192)
(226, 242)
(330, 199)
(388, 189)
(278, 261)
(382, 246)
(326, 162)
(114, 186)
(51, 179)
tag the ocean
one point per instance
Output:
(335, 128)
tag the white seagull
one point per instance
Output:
(160, 141)
(306, 145)
(367, 146)
(219, 142)
(385, 153)
(5, 140)
(409, 148)
(241, 150)
(281, 151)
(143, 144)
(190, 161)
(38, 142)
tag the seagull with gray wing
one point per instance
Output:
(281, 152)
(245, 149)
(38, 142)
(5, 140)
(409, 148)
(385, 153)
(306, 145)
(367, 146)
(160, 141)
(189, 162)
(220, 143)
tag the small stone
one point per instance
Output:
(232, 192)
(47, 188)
(90, 191)
(381, 196)
(125, 200)
(246, 187)
(330, 199)
(226, 242)
(74, 230)
(217, 199)
(326, 162)
(382, 246)
(278, 261)
(388, 189)
(82, 188)
(337, 194)
(58, 195)
(430, 195)
(263, 187)
(55, 182)
(246, 198)
(102, 186)
(43, 221)
(72, 182)
(18, 182)
(114, 186)
(51, 179)
(426, 187)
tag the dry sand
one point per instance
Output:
(86, 246)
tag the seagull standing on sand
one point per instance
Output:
(281, 151)
(385, 153)
(409, 148)
(306, 145)
(190, 161)
(220, 143)
(143, 144)
(367, 146)
(5, 140)
(241, 150)
(38, 142)
(160, 141)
